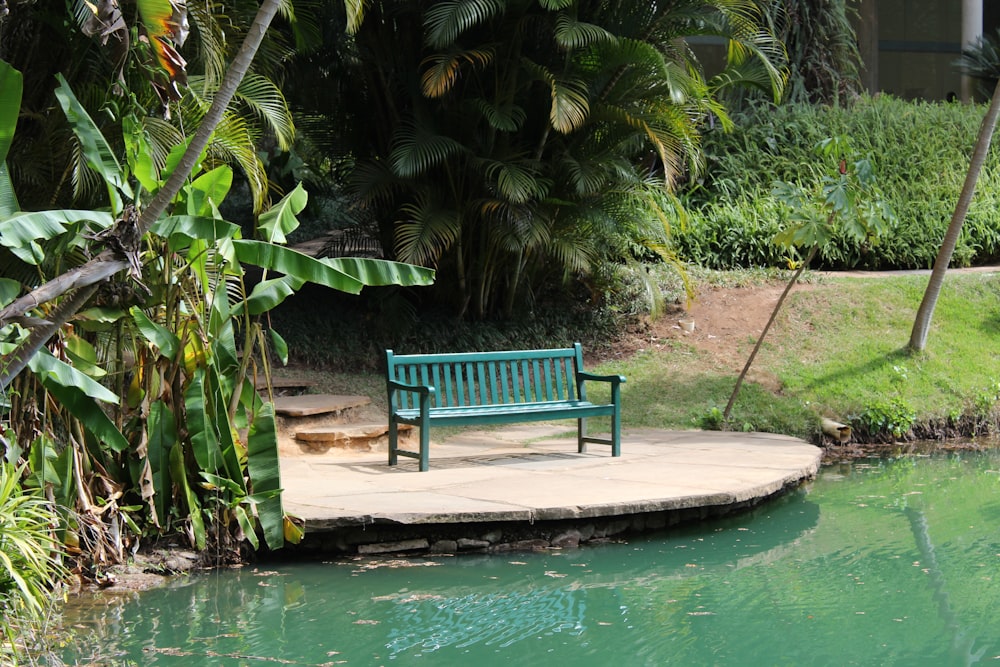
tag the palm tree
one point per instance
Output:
(922, 321)
(824, 62)
(517, 145)
(118, 81)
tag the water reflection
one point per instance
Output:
(873, 564)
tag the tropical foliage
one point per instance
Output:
(919, 149)
(128, 73)
(824, 63)
(515, 145)
(981, 61)
(29, 561)
(142, 415)
(845, 200)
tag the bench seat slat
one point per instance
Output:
(509, 412)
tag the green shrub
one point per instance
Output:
(921, 154)
(28, 564)
(888, 419)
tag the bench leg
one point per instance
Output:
(425, 448)
(581, 433)
(425, 432)
(616, 433)
(393, 442)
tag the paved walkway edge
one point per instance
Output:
(527, 488)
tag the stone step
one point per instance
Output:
(285, 386)
(316, 404)
(354, 437)
(346, 437)
(294, 413)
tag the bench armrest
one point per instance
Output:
(403, 386)
(613, 379)
(425, 392)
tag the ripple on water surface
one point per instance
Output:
(886, 563)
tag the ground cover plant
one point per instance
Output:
(919, 150)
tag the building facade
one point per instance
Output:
(909, 47)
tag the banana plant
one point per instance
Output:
(142, 415)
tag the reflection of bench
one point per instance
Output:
(494, 388)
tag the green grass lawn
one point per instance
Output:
(836, 351)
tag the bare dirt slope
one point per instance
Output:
(727, 322)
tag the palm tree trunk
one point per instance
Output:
(922, 323)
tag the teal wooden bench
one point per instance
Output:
(494, 388)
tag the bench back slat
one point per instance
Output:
(469, 379)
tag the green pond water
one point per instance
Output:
(880, 563)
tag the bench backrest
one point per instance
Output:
(489, 378)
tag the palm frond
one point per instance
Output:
(517, 181)
(573, 34)
(572, 250)
(515, 229)
(417, 148)
(570, 98)
(586, 177)
(234, 143)
(426, 231)
(355, 14)
(268, 103)
(162, 138)
(212, 45)
(445, 21)
(744, 72)
(506, 117)
(443, 68)
(373, 181)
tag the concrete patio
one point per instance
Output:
(523, 486)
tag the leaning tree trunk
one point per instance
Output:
(767, 327)
(922, 323)
(107, 263)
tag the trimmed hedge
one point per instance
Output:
(921, 153)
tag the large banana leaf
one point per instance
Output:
(11, 86)
(95, 147)
(198, 533)
(78, 393)
(164, 339)
(262, 464)
(280, 219)
(200, 426)
(162, 432)
(380, 272)
(9, 290)
(181, 230)
(42, 457)
(268, 294)
(232, 451)
(52, 466)
(165, 22)
(22, 232)
(8, 201)
(224, 339)
(295, 264)
(46, 366)
(208, 190)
